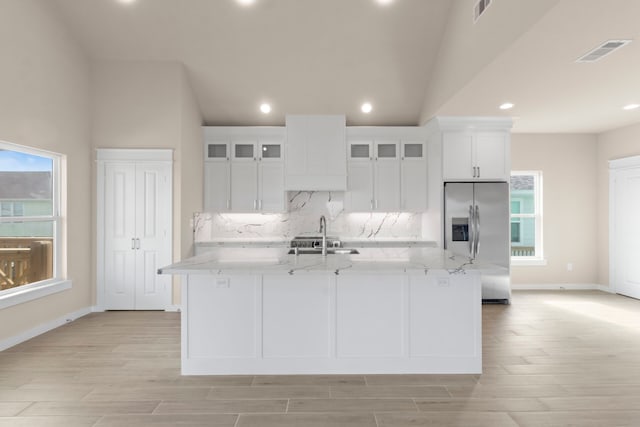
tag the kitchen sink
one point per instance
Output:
(318, 251)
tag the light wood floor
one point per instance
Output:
(550, 359)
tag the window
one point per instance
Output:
(526, 218)
(30, 222)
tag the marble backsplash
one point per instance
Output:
(303, 218)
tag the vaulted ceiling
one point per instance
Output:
(412, 59)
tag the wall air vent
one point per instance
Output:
(603, 50)
(479, 8)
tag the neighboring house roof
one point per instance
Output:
(522, 182)
(25, 185)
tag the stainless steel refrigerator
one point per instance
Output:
(476, 216)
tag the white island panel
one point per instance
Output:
(449, 305)
(371, 315)
(328, 323)
(296, 316)
(223, 315)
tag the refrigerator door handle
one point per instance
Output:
(477, 227)
(472, 232)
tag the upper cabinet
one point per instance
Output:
(315, 153)
(475, 149)
(387, 170)
(413, 176)
(374, 176)
(245, 171)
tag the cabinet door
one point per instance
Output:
(413, 183)
(271, 183)
(119, 235)
(153, 231)
(457, 156)
(271, 177)
(244, 186)
(359, 197)
(244, 176)
(387, 177)
(216, 186)
(492, 157)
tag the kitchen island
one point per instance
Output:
(384, 310)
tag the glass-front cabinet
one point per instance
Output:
(244, 175)
(386, 175)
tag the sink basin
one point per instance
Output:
(318, 251)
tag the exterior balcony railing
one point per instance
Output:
(25, 260)
(523, 251)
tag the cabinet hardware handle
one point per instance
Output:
(133, 243)
(478, 171)
(137, 243)
(228, 203)
(371, 204)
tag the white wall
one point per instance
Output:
(615, 144)
(149, 104)
(44, 103)
(568, 164)
(468, 47)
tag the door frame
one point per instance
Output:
(123, 155)
(615, 166)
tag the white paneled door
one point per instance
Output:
(136, 234)
(625, 226)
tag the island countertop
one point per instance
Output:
(251, 260)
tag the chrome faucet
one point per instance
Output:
(323, 230)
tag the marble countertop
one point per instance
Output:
(265, 260)
(347, 243)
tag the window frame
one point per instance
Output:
(537, 215)
(59, 281)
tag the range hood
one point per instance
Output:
(316, 153)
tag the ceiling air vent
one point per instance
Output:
(479, 8)
(603, 50)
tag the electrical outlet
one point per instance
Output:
(569, 266)
(222, 283)
(443, 282)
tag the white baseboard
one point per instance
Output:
(560, 287)
(607, 289)
(41, 329)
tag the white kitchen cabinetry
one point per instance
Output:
(323, 323)
(413, 176)
(479, 155)
(374, 176)
(217, 176)
(387, 176)
(244, 173)
(134, 229)
(316, 159)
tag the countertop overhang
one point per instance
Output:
(265, 260)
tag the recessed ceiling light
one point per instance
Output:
(366, 107)
(506, 106)
(265, 108)
(631, 107)
(246, 2)
(126, 1)
(384, 2)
